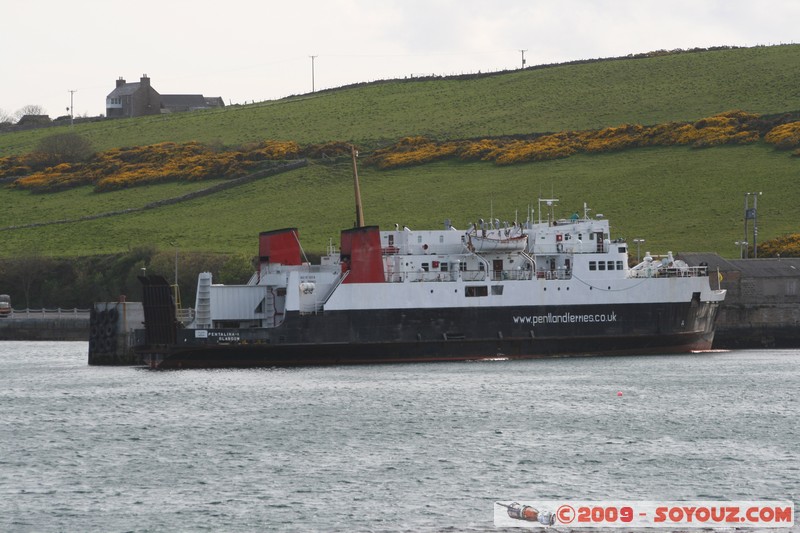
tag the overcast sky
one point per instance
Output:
(260, 50)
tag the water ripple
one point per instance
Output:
(382, 448)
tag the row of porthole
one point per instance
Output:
(545, 289)
(590, 288)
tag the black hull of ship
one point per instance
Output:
(429, 335)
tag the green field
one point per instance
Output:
(660, 89)
(678, 198)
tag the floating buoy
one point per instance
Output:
(529, 514)
(619, 393)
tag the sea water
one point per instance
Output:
(413, 447)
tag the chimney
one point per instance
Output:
(145, 80)
(120, 82)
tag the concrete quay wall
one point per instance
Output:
(44, 328)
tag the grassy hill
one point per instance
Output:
(652, 90)
(676, 198)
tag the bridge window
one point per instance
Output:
(592, 265)
(497, 290)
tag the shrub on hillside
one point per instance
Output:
(785, 246)
(543, 148)
(483, 150)
(327, 150)
(127, 167)
(733, 127)
(12, 166)
(58, 148)
(612, 139)
(412, 151)
(785, 136)
(168, 161)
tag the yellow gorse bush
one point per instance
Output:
(168, 161)
(785, 246)
(785, 136)
(413, 151)
(734, 127)
(127, 167)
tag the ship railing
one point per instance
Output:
(464, 275)
(516, 275)
(400, 277)
(184, 314)
(559, 274)
(669, 272)
(49, 313)
(685, 272)
(588, 247)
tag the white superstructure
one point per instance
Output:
(554, 262)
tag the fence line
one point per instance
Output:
(49, 313)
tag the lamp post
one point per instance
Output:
(751, 213)
(742, 248)
(175, 288)
(638, 243)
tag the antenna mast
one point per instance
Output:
(549, 202)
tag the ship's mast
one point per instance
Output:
(359, 209)
(549, 202)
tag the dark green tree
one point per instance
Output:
(60, 148)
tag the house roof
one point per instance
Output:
(787, 267)
(183, 100)
(125, 89)
(711, 259)
(751, 268)
(169, 101)
(33, 119)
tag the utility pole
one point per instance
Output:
(751, 213)
(176, 291)
(71, 107)
(523, 57)
(312, 72)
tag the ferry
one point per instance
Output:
(492, 290)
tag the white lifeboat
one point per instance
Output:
(497, 241)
